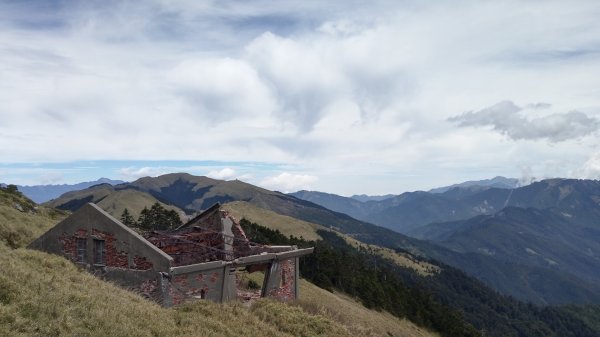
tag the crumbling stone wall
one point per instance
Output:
(197, 261)
(213, 281)
(128, 260)
(214, 235)
(191, 246)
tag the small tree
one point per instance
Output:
(127, 219)
(12, 189)
(158, 218)
(145, 220)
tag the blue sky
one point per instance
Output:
(340, 96)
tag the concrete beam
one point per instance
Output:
(254, 259)
(293, 253)
(198, 267)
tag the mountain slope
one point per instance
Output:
(113, 199)
(407, 212)
(21, 220)
(523, 281)
(545, 238)
(365, 198)
(289, 226)
(193, 194)
(43, 193)
(354, 208)
(496, 182)
(484, 307)
(341, 265)
(46, 295)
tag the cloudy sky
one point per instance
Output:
(339, 96)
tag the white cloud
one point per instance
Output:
(51, 178)
(507, 118)
(357, 95)
(220, 89)
(223, 174)
(288, 182)
(591, 168)
(133, 173)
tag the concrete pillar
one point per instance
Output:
(164, 286)
(296, 278)
(227, 233)
(272, 278)
(228, 288)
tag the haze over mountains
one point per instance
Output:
(43, 193)
(548, 228)
(498, 182)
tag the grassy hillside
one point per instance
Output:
(359, 320)
(192, 194)
(111, 199)
(46, 295)
(21, 220)
(402, 259)
(289, 226)
(286, 225)
(367, 275)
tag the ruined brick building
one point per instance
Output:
(205, 258)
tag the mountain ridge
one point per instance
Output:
(44, 193)
(194, 193)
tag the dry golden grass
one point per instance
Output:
(291, 226)
(286, 225)
(133, 200)
(21, 221)
(46, 295)
(351, 314)
(354, 316)
(114, 201)
(401, 259)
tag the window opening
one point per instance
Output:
(81, 250)
(99, 252)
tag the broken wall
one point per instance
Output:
(124, 257)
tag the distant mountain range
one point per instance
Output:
(452, 222)
(546, 232)
(43, 193)
(408, 211)
(485, 308)
(191, 194)
(497, 182)
(365, 198)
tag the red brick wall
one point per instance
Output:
(141, 263)
(189, 247)
(187, 286)
(69, 243)
(113, 257)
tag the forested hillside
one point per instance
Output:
(371, 277)
(46, 295)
